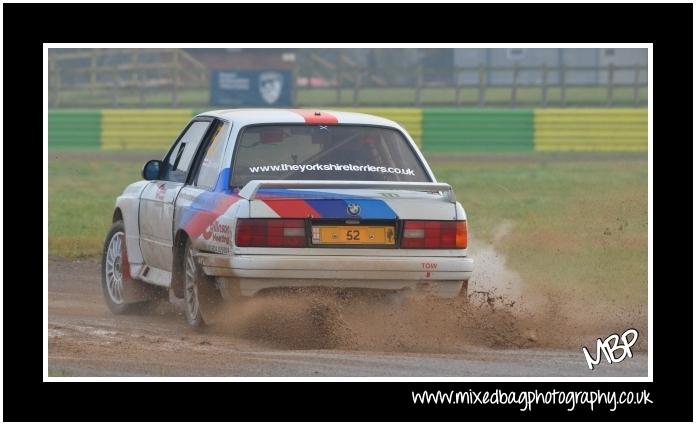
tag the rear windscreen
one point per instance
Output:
(325, 152)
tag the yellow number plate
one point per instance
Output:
(353, 235)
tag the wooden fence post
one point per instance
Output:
(482, 87)
(458, 92)
(544, 85)
(610, 87)
(562, 82)
(114, 86)
(419, 83)
(175, 83)
(55, 79)
(139, 78)
(338, 82)
(636, 88)
(513, 95)
(92, 71)
(356, 89)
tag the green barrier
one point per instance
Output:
(484, 130)
(79, 129)
(446, 130)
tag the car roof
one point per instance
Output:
(303, 116)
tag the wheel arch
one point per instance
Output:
(118, 215)
(127, 209)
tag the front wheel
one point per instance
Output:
(121, 292)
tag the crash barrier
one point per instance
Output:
(79, 129)
(436, 130)
(451, 130)
(591, 130)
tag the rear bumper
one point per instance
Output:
(443, 276)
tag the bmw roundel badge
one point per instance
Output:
(353, 209)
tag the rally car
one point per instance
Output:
(247, 201)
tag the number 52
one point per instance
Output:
(353, 235)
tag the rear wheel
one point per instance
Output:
(191, 303)
(201, 297)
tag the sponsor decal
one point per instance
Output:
(331, 167)
(218, 232)
(429, 267)
(217, 249)
(232, 81)
(161, 190)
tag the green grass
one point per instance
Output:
(575, 220)
(81, 197)
(405, 97)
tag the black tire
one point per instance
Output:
(201, 298)
(121, 292)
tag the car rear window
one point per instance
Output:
(324, 152)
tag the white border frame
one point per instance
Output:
(47, 378)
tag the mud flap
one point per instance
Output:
(464, 292)
(134, 291)
(210, 301)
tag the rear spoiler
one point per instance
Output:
(249, 190)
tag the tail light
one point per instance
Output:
(432, 234)
(273, 232)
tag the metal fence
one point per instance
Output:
(119, 77)
(173, 78)
(478, 86)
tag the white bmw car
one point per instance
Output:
(253, 200)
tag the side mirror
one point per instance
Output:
(151, 170)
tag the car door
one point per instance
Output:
(156, 214)
(201, 205)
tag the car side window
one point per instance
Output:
(180, 158)
(210, 166)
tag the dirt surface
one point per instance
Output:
(313, 335)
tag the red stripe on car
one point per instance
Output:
(202, 219)
(315, 117)
(292, 208)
